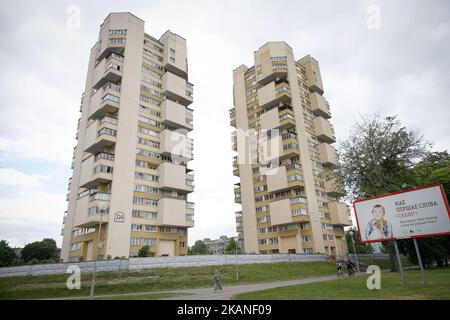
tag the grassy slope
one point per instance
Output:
(53, 286)
(438, 287)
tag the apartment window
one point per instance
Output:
(151, 63)
(145, 202)
(182, 244)
(150, 100)
(295, 177)
(308, 250)
(149, 241)
(150, 111)
(147, 153)
(76, 246)
(299, 212)
(148, 142)
(298, 200)
(148, 131)
(145, 176)
(107, 131)
(116, 40)
(149, 121)
(103, 169)
(168, 229)
(306, 238)
(145, 214)
(111, 98)
(172, 51)
(303, 226)
(172, 59)
(96, 211)
(279, 66)
(322, 204)
(146, 189)
(279, 58)
(134, 241)
(121, 32)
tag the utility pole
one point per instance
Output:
(91, 296)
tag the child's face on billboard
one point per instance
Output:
(378, 212)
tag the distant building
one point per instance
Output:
(218, 246)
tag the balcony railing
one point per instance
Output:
(100, 196)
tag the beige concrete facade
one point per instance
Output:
(129, 162)
(284, 142)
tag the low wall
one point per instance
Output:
(158, 262)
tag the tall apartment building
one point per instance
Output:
(130, 163)
(284, 143)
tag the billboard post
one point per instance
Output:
(419, 258)
(399, 261)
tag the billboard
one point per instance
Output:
(412, 213)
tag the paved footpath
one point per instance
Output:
(228, 292)
(225, 294)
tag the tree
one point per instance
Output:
(434, 168)
(231, 247)
(377, 158)
(7, 254)
(144, 251)
(359, 246)
(44, 251)
(199, 247)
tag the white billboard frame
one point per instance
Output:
(387, 226)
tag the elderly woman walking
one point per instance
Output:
(217, 284)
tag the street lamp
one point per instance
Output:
(237, 262)
(351, 233)
(91, 296)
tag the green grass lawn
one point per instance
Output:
(161, 279)
(438, 287)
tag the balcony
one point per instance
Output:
(100, 134)
(177, 89)
(176, 115)
(284, 212)
(280, 147)
(174, 177)
(273, 93)
(235, 166)
(237, 193)
(340, 214)
(174, 55)
(319, 105)
(177, 144)
(108, 70)
(278, 118)
(284, 177)
(328, 154)
(314, 79)
(232, 113)
(333, 189)
(105, 100)
(324, 130)
(83, 218)
(174, 212)
(115, 45)
(96, 170)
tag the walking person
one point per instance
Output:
(339, 269)
(350, 266)
(217, 279)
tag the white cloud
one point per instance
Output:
(14, 178)
(31, 216)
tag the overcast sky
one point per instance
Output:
(390, 57)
